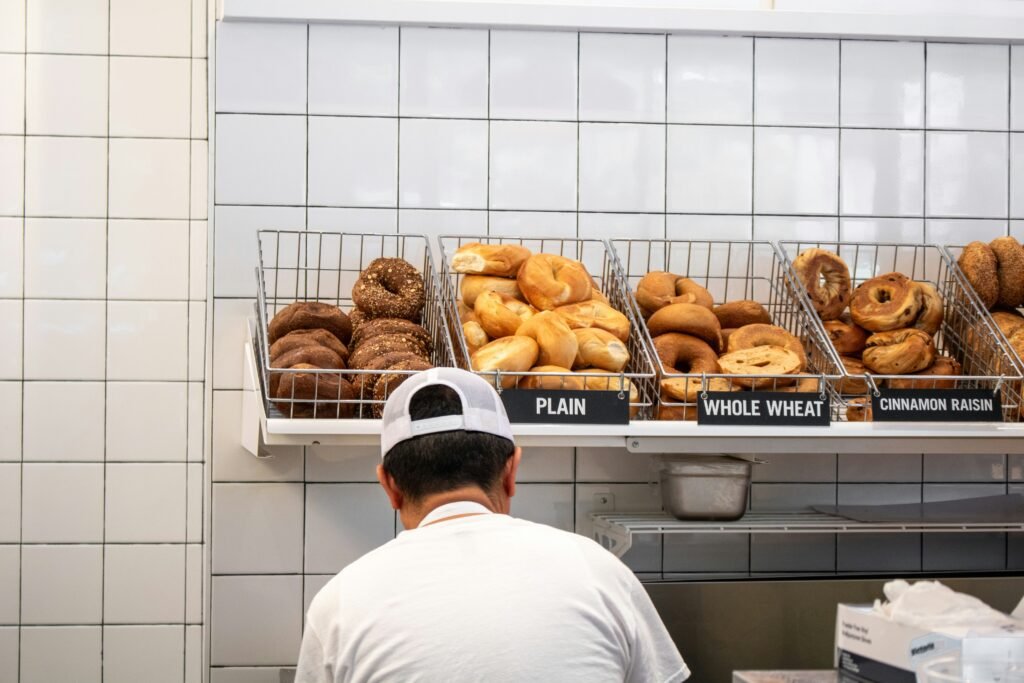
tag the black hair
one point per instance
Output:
(435, 463)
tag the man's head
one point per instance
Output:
(445, 435)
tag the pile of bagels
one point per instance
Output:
(522, 312)
(693, 336)
(888, 330)
(996, 272)
(381, 335)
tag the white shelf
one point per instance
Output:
(615, 530)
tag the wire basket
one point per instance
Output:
(967, 333)
(323, 267)
(599, 261)
(731, 271)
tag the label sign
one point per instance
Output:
(936, 405)
(566, 406)
(798, 409)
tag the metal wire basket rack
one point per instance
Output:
(967, 333)
(732, 271)
(597, 257)
(323, 267)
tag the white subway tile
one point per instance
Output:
(368, 86)
(796, 82)
(12, 39)
(10, 421)
(66, 95)
(194, 584)
(150, 97)
(239, 674)
(612, 225)
(12, 107)
(258, 528)
(708, 227)
(882, 84)
(194, 503)
(963, 552)
(80, 659)
(344, 522)
(902, 230)
(148, 259)
(12, 175)
(645, 553)
(10, 503)
(272, 172)
(145, 503)
(533, 165)
(342, 463)
(10, 586)
(709, 169)
(9, 643)
(143, 653)
(199, 114)
(549, 504)
(75, 26)
(962, 231)
(353, 161)
(144, 584)
(81, 407)
(1016, 174)
(11, 256)
(62, 503)
(65, 258)
(795, 170)
(353, 220)
(533, 74)
(622, 167)
(235, 249)
(443, 72)
(256, 620)
(146, 421)
(199, 179)
(230, 325)
(196, 438)
(796, 467)
(546, 464)
(804, 229)
(614, 465)
(443, 164)
(149, 178)
(147, 340)
(62, 584)
(963, 467)
(231, 462)
(261, 68)
(882, 172)
(710, 79)
(707, 552)
(1016, 87)
(159, 28)
(547, 226)
(968, 86)
(11, 338)
(203, 13)
(66, 177)
(311, 585)
(967, 174)
(196, 340)
(622, 77)
(197, 248)
(64, 339)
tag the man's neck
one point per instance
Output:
(412, 518)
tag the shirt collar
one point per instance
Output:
(460, 507)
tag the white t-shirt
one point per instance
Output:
(486, 598)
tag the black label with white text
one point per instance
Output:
(936, 405)
(565, 406)
(798, 409)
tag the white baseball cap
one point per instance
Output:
(482, 409)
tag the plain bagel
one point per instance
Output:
(595, 314)
(599, 349)
(503, 260)
(474, 285)
(558, 345)
(500, 315)
(549, 281)
(508, 355)
(565, 379)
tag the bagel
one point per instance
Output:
(887, 302)
(943, 366)
(558, 345)
(357, 318)
(658, 289)
(502, 260)
(759, 334)
(396, 374)
(474, 285)
(500, 315)
(1016, 340)
(803, 385)
(597, 295)
(726, 333)
(386, 343)
(319, 337)
(549, 281)
(1010, 270)
(363, 382)
(856, 384)
(686, 354)
(390, 288)
(595, 314)
(309, 354)
(507, 355)
(313, 394)
(899, 352)
(690, 319)
(761, 360)
(980, 266)
(740, 313)
(597, 348)
(595, 379)
(379, 326)
(826, 277)
(674, 412)
(475, 336)
(565, 380)
(929, 318)
(858, 409)
(847, 338)
(687, 389)
(1007, 321)
(310, 315)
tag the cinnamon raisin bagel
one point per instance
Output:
(1010, 270)
(310, 315)
(500, 315)
(474, 285)
(513, 354)
(899, 352)
(847, 338)
(658, 289)
(979, 265)
(761, 360)
(566, 379)
(858, 409)
(929, 318)
(549, 281)
(690, 319)
(827, 280)
(930, 376)
(599, 349)
(595, 314)
(759, 334)
(740, 313)
(390, 288)
(502, 260)
(887, 302)
(686, 354)
(558, 345)
(856, 384)
(320, 337)
(313, 393)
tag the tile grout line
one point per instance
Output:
(106, 351)
(188, 346)
(24, 241)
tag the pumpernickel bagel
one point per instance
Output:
(310, 315)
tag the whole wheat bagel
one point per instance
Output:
(659, 288)
(761, 360)
(759, 334)
(687, 319)
(740, 313)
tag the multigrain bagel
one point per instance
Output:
(659, 288)
(474, 285)
(856, 384)
(979, 265)
(363, 382)
(313, 393)
(310, 354)
(558, 345)
(827, 280)
(475, 336)
(319, 337)
(761, 360)
(500, 315)
(847, 338)
(930, 376)
(595, 314)
(1010, 270)
(396, 374)
(740, 313)
(549, 281)
(390, 288)
(686, 354)
(379, 326)
(502, 260)
(508, 355)
(929, 318)
(599, 349)
(1007, 321)
(566, 379)
(899, 352)
(887, 302)
(310, 315)
(690, 319)
(759, 334)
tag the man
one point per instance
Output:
(468, 593)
